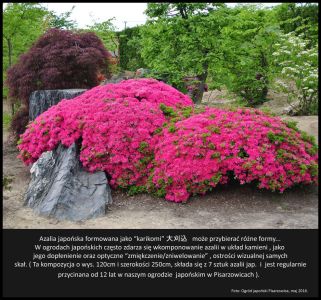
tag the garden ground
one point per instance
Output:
(228, 206)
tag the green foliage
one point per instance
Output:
(129, 49)
(247, 48)
(107, 33)
(23, 24)
(216, 178)
(175, 41)
(5, 89)
(275, 137)
(183, 10)
(267, 111)
(6, 120)
(314, 169)
(303, 168)
(134, 190)
(281, 153)
(215, 155)
(296, 66)
(242, 153)
(158, 130)
(172, 128)
(187, 111)
(167, 110)
(61, 21)
(6, 181)
(301, 18)
(160, 192)
(143, 147)
(292, 124)
(308, 138)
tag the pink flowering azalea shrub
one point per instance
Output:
(202, 151)
(147, 136)
(115, 123)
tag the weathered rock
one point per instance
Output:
(40, 101)
(142, 72)
(291, 109)
(116, 78)
(113, 79)
(309, 124)
(62, 189)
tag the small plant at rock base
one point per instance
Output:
(133, 190)
(6, 182)
(292, 124)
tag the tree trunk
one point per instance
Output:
(201, 85)
(9, 52)
(264, 64)
(12, 109)
(10, 63)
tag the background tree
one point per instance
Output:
(60, 59)
(300, 18)
(20, 27)
(106, 31)
(176, 40)
(23, 24)
(247, 52)
(61, 21)
(231, 47)
(297, 72)
(130, 49)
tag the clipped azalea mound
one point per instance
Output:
(148, 137)
(115, 124)
(207, 148)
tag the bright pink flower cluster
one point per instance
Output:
(119, 140)
(141, 133)
(208, 148)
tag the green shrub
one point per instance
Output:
(6, 181)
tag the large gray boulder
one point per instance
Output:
(62, 189)
(40, 101)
